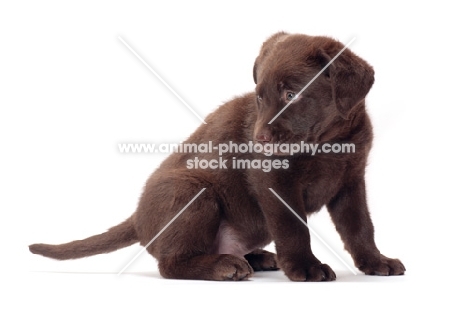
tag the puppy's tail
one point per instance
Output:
(117, 237)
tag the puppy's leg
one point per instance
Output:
(262, 260)
(291, 236)
(352, 220)
(185, 249)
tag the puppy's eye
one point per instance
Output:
(290, 96)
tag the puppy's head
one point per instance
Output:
(285, 65)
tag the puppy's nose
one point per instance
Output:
(263, 137)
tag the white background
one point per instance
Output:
(70, 91)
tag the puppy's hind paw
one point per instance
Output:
(232, 268)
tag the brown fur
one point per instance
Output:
(220, 235)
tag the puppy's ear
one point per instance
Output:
(351, 78)
(255, 69)
(267, 46)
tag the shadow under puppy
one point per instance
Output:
(220, 236)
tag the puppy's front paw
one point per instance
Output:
(314, 272)
(383, 266)
(261, 260)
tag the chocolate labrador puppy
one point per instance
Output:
(220, 236)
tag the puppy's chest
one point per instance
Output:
(320, 184)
